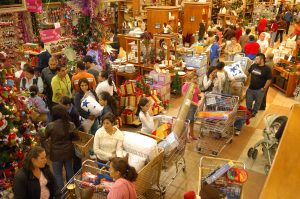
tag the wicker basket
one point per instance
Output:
(84, 143)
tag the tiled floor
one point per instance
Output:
(237, 150)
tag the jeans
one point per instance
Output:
(239, 123)
(272, 38)
(287, 27)
(214, 62)
(255, 96)
(279, 32)
(57, 171)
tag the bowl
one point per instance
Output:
(181, 73)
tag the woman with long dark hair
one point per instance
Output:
(61, 131)
(124, 176)
(35, 180)
(109, 104)
(106, 83)
(84, 91)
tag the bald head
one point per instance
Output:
(52, 63)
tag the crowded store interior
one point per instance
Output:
(126, 99)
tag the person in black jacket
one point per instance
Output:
(35, 180)
(43, 57)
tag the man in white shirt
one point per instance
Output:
(263, 43)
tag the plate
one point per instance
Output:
(189, 68)
(181, 73)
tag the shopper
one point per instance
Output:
(38, 106)
(215, 52)
(35, 179)
(251, 48)
(72, 111)
(108, 141)
(229, 33)
(232, 49)
(30, 79)
(60, 131)
(238, 31)
(105, 83)
(43, 57)
(245, 38)
(288, 19)
(47, 74)
(109, 104)
(124, 176)
(221, 80)
(263, 43)
(84, 91)
(92, 68)
(273, 32)
(192, 79)
(210, 38)
(61, 84)
(148, 125)
(281, 29)
(82, 73)
(262, 24)
(260, 77)
(208, 79)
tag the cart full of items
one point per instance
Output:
(216, 121)
(221, 178)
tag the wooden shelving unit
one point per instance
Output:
(249, 9)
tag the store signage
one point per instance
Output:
(50, 35)
(34, 5)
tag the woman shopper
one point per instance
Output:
(35, 180)
(106, 83)
(109, 104)
(84, 91)
(124, 176)
(61, 131)
(108, 141)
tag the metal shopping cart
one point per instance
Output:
(148, 178)
(229, 184)
(216, 122)
(174, 149)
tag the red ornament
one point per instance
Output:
(12, 138)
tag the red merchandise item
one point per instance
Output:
(262, 24)
(248, 113)
(190, 195)
(251, 47)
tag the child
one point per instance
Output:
(36, 103)
(143, 113)
(239, 122)
(108, 103)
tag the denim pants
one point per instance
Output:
(214, 62)
(255, 96)
(239, 123)
(57, 171)
(272, 38)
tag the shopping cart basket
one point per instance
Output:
(216, 122)
(230, 184)
(174, 149)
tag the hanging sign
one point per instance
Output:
(34, 5)
(50, 35)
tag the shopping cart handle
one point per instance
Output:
(100, 165)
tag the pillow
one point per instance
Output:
(140, 145)
(90, 105)
(235, 71)
(169, 144)
(136, 161)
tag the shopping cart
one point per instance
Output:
(216, 122)
(148, 178)
(174, 149)
(230, 184)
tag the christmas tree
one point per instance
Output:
(15, 127)
(176, 85)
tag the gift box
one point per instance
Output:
(164, 78)
(156, 109)
(127, 116)
(119, 122)
(161, 89)
(162, 131)
(155, 99)
(128, 88)
(149, 79)
(132, 101)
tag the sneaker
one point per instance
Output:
(237, 133)
(93, 157)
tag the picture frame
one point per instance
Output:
(157, 25)
(13, 6)
(192, 18)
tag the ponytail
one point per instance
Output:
(126, 171)
(143, 101)
(108, 77)
(111, 102)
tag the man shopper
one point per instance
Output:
(260, 76)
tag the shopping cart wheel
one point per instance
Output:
(267, 168)
(215, 153)
(254, 154)
(230, 141)
(199, 149)
(250, 152)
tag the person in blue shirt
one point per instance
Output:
(214, 52)
(288, 18)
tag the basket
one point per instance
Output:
(83, 143)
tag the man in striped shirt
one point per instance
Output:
(82, 73)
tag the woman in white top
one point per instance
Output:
(221, 80)
(30, 79)
(147, 120)
(207, 83)
(106, 84)
(108, 141)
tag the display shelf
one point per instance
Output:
(133, 52)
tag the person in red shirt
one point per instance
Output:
(82, 73)
(238, 32)
(262, 24)
(273, 32)
(251, 48)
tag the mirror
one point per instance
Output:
(12, 6)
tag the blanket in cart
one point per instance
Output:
(220, 115)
